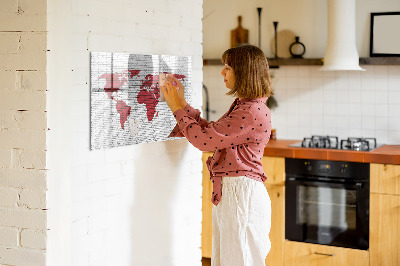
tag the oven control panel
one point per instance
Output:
(337, 169)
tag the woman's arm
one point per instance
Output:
(193, 113)
(239, 127)
(190, 111)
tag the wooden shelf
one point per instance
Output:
(380, 61)
(294, 62)
(273, 63)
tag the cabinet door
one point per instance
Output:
(277, 233)
(304, 254)
(384, 230)
(385, 178)
(206, 226)
(274, 168)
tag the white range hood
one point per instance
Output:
(341, 51)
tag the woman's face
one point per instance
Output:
(229, 76)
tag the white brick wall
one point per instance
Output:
(134, 205)
(9, 237)
(92, 195)
(8, 197)
(33, 239)
(23, 128)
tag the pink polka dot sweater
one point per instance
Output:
(238, 139)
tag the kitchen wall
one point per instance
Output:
(133, 205)
(342, 103)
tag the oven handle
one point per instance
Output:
(357, 185)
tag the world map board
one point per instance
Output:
(126, 105)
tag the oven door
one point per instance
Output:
(327, 213)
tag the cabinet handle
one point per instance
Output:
(324, 254)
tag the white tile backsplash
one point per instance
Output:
(381, 110)
(394, 82)
(342, 123)
(394, 123)
(381, 71)
(343, 103)
(292, 82)
(342, 96)
(381, 122)
(381, 97)
(394, 97)
(291, 71)
(367, 96)
(382, 136)
(381, 83)
(304, 82)
(367, 110)
(342, 109)
(394, 110)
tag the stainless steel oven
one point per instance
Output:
(327, 202)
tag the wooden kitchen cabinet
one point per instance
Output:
(274, 168)
(384, 236)
(385, 215)
(206, 225)
(277, 233)
(385, 178)
(305, 254)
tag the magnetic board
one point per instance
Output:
(126, 106)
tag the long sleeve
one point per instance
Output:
(193, 113)
(238, 139)
(231, 130)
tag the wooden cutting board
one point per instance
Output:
(239, 35)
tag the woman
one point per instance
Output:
(242, 208)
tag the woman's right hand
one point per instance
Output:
(181, 91)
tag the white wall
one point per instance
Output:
(23, 133)
(311, 102)
(134, 205)
(306, 19)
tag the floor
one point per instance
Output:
(206, 261)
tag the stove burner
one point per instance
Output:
(332, 142)
(328, 142)
(358, 144)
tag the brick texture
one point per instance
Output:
(9, 237)
(109, 186)
(23, 218)
(17, 256)
(33, 199)
(33, 239)
(8, 197)
(23, 126)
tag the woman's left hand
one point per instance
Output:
(171, 95)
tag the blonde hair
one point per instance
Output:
(250, 66)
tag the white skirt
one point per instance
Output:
(241, 223)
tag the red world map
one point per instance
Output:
(149, 93)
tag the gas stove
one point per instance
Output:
(332, 142)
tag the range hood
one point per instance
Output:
(341, 51)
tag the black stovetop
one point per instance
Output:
(332, 142)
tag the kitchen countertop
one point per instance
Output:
(389, 154)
